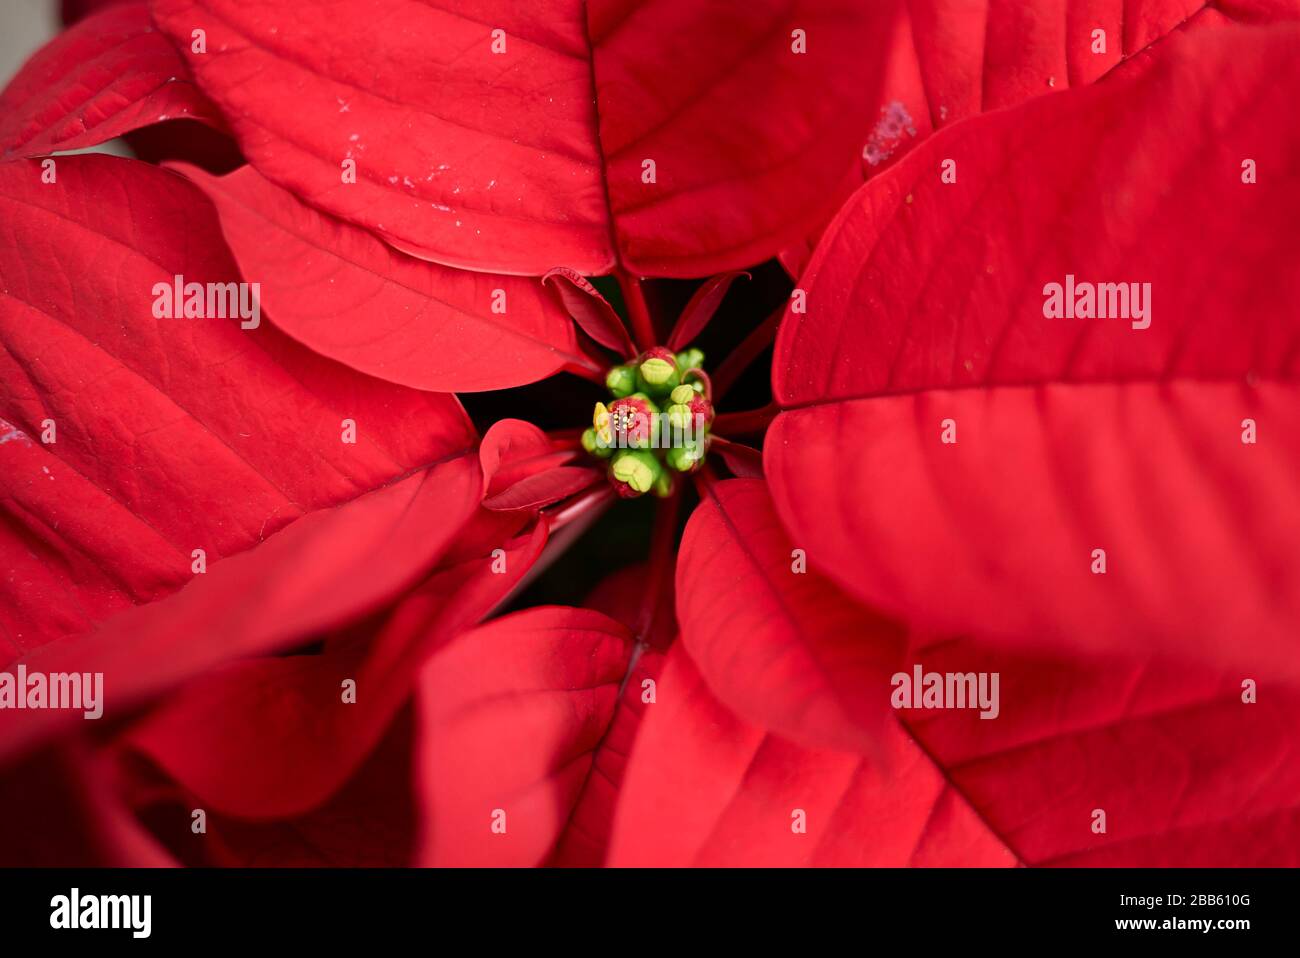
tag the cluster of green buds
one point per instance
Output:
(656, 424)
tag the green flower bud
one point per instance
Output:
(657, 372)
(664, 484)
(684, 393)
(593, 445)
(679, 414)
(600, 424)
(621, 381)
(684, 458)
(690, 359)
(634, 472)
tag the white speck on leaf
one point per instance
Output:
(894, 123)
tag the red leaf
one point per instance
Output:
(252, 715)
(108, 75)
(699, 310)
(545, 488)
(517, 160)
(590, 310)
(513, 450)
(585, 839)
(1187, 773)
(776, 642)
(345, 294)
(744, 461)
(621, 595)
(322, 572)
(703, 787)
(369, 822)
(1074, 435)
(171, 434)
(510, 716)
(950, 59)
(60, 807)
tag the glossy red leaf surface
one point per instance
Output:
(926, 305)
(342, 292)
(775, 641)
(511, 716)
(110, 74)
(533, 156)
(171, 434)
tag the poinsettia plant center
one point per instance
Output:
(656, 423)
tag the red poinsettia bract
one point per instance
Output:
(297, 562)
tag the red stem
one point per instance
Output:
(705, 479)
(588, 370)
(565, 438)
(638, 313)
(574, 509)
(750, 349)
(660, 563)
(745, 423)
(703, 377)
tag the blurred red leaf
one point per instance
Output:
(108, 75)
(324, 571)
(255, 715)
(511, 716)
